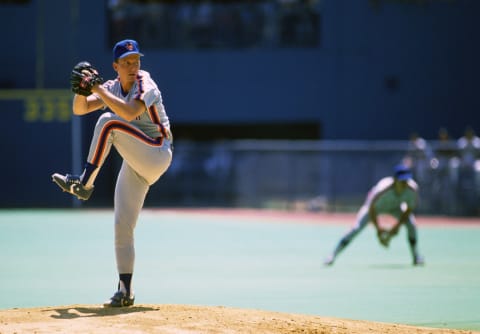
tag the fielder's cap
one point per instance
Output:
(402, 173)
(125, 48)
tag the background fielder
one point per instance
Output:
(396, 196)
(139, 129)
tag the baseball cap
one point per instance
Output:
(125, 48)
(402, 173)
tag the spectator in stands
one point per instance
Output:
(202, 24)
(445, 149)
(469, 147)
(418, 157)
(444, 173)
(468, 189)
(298, 23)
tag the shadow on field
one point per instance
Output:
(96, 311)
(389, 266)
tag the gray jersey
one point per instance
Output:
(146, 90)
(384, 199)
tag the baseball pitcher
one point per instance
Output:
(139, 129)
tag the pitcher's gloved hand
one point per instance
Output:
(83, 77)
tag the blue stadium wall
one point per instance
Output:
(383, 69)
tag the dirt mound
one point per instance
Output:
(186, 319)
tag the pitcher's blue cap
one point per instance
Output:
(125, 48)
(402, 173)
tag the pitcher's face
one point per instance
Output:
(127, 68)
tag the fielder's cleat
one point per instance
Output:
(418, 260)
(73, 185)
(120, 299)
(329, 260)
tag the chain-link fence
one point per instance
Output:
(312, 175)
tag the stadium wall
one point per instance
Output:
(383, 70)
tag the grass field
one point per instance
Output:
(246, 259)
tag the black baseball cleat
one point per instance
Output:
(73, 185)
(120, 299)
(418, 260)
(329, 260)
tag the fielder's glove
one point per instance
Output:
(384, 237)
(83, 77)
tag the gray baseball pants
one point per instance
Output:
(145, 159)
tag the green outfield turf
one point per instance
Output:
(255, 261)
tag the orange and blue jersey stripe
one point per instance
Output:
(115, 125)
(152, 112)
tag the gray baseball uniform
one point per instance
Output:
(385, 199)
(139, 129)
(145, 146)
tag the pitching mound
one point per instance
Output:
(186, 319)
